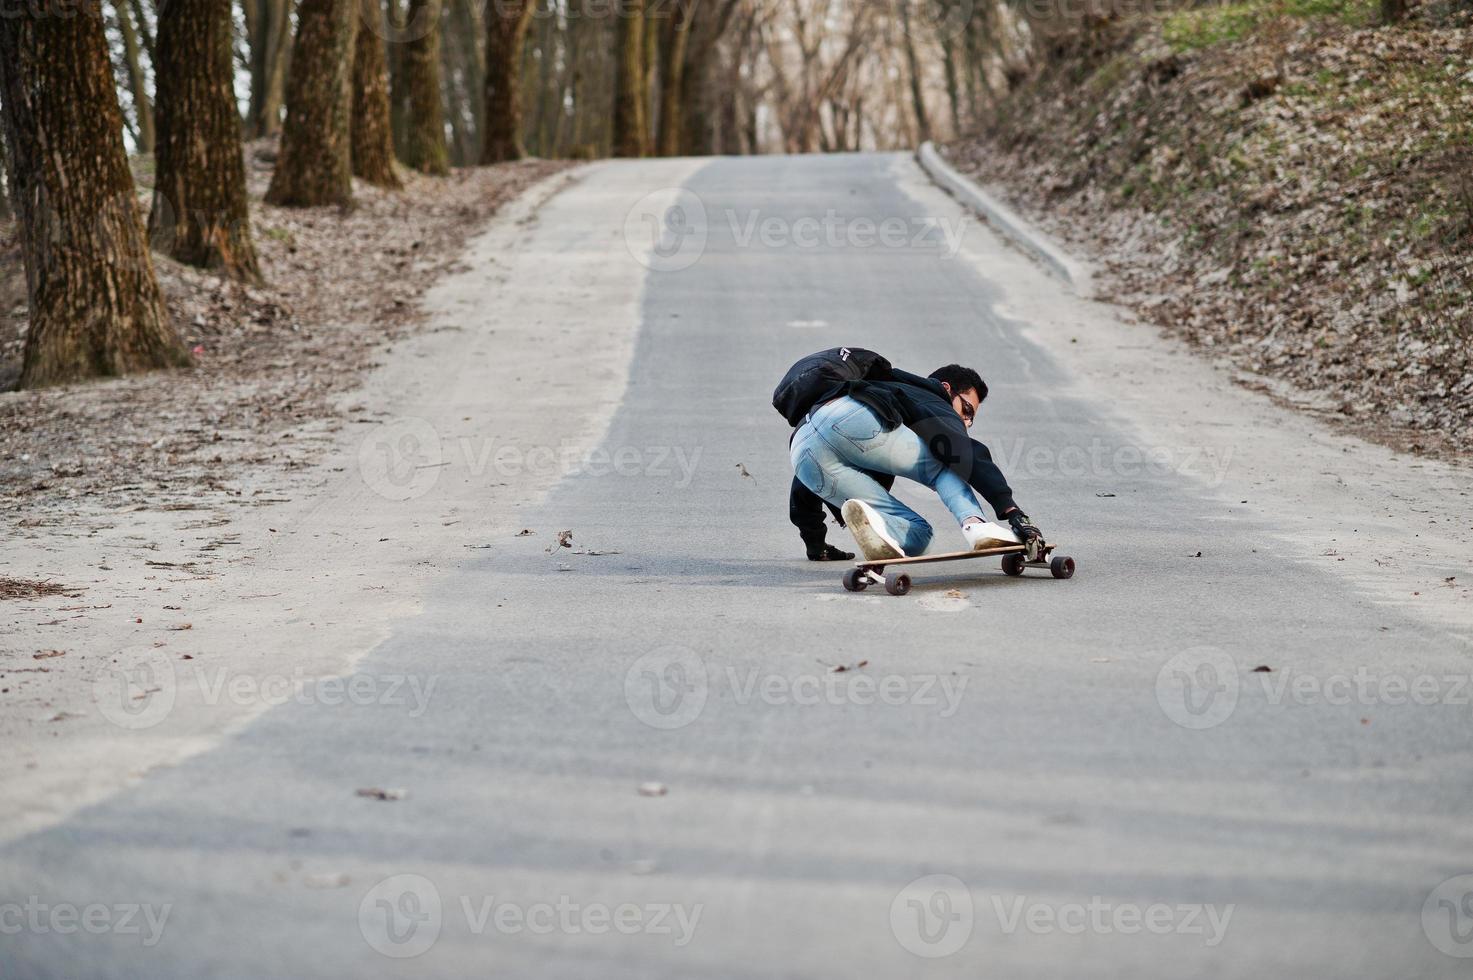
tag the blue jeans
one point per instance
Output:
(843, 438)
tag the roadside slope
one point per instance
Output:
(1276, 181)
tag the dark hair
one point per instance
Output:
(961, 378)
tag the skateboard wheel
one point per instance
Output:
(1062, 567)
(897, 583)
(854, 580)
(1013, 564)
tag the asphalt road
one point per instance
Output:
(642, 763)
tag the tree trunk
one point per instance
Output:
(200, 216)
(424, 144)
(95, 305)
(315, 166)
(675, 41)
(268, 27)
(453, 94)
(913, 65)
(506, 35)
(6, 212)
(395, 45)
(137, 80)
(372, 134)
(630, 134)
(953, 89)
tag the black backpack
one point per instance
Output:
(819, 377)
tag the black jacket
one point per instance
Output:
(923, 405)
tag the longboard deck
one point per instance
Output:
(1014, 549)
(866, 573)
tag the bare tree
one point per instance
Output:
(674, 42)
(631, 96)
(506, 35)
(137, 78)
(200, 215)
(424, 138)
(913, 64)
(372, 133)
(269, 35)
(315, 166)
(95, 305)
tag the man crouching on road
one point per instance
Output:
(869, 421)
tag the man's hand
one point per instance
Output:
(1027, 532)
(827, 552)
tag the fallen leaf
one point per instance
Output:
(564, 540)
(182, 626)
(1104, 495)
(48, 654)
(844, 668)
(525, 532)
(1262, 669)
(374, 793)
(652, 789)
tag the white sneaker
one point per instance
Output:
(981, 537)
(868, 528)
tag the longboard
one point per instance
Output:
(1014, 562)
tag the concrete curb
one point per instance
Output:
(1007, 223)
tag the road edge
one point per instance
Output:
(1007, 222)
